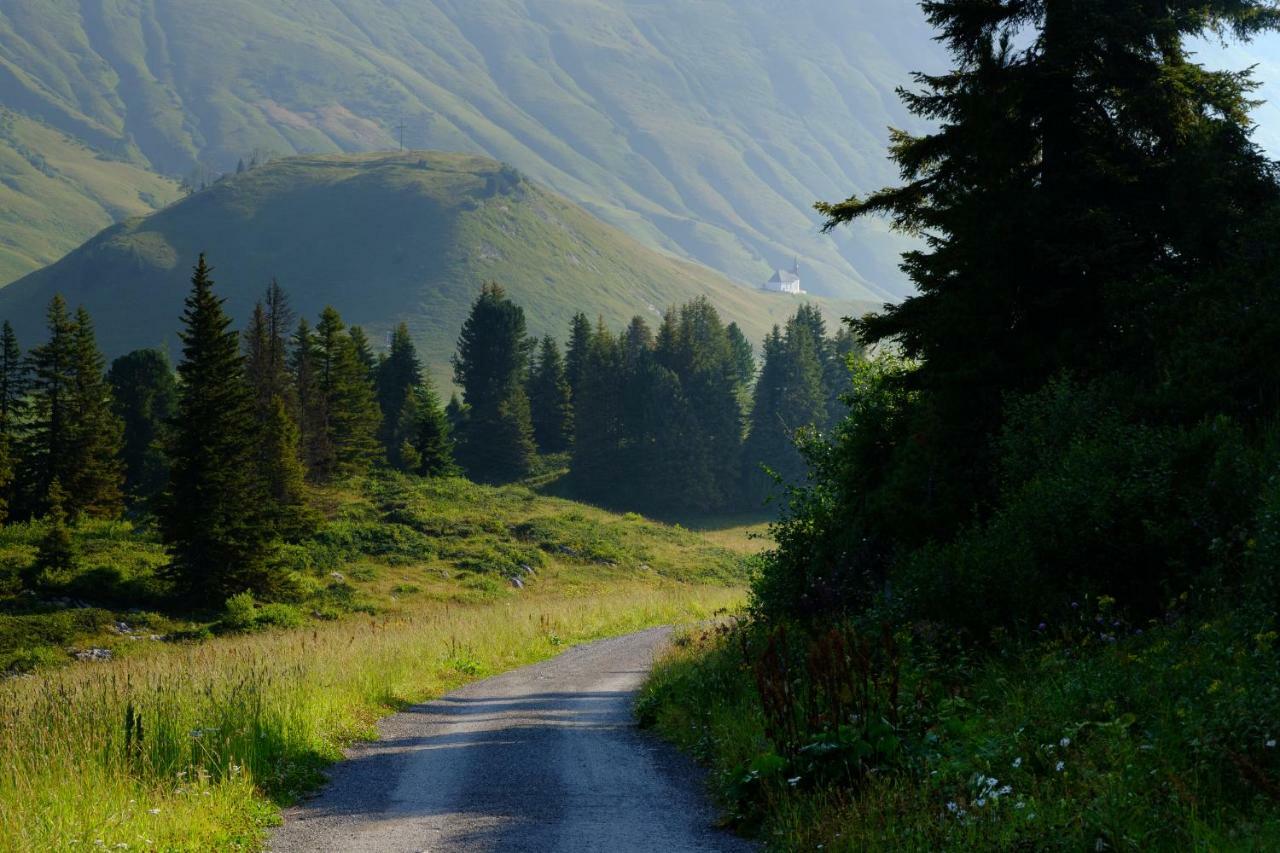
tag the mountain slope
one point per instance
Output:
(705, 128)
(384, 238)
(55, 194)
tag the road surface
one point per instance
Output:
(545, 758)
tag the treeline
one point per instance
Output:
(673, 419)
(221, 453)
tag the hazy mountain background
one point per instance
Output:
(386, 238)
(705, 128)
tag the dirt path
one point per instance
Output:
(545, 758)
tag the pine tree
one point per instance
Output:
(145, 399)
(213, 518)
(95, 475)
(428, 443)
(397, 374)
(280, 468)
(364, 351)
(744, 357)
(47, 441)
(1082, 171)
(56, 555)
(789, 397)
(13, 391)
(550, 408)
(313, 423)
(580, 334)
(497, 436)
(266, 351)
(350, 406)
(598, 464)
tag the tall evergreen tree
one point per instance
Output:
(428, 436)
(266, 351)
(580, 334)
(146, 401)
(364, 351)
(350, 406)
(397, 375)
(1084, 175)
(313, 424)
(47, 441)
(549, 403)
(213, 513)
(282, 474)
(744, 357)
(598, 465)
(96, 477)
(13, 393)
(490, 364)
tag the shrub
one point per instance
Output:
(240, 613)
(279, 615)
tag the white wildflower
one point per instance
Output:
(1019, 805)
(1066, 741)
(153, 811)
(1005, 791)
(981, 802)
(793, 781)
(1271, 744)
(1059, 766)
(1017, 762)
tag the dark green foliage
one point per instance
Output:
(13, 398)
(398, 373)
(56, 555)
(576, 351)
(283, 475)
(72, 435)
(145, 399)
(790, 395)
(364, 351)
(313, 428)
(551, 409)
(214, 513)
(350, 408)
(427, 448)
(496, 438)
(266, 351)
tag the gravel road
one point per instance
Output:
(545, 758)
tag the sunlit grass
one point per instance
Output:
(185, 750)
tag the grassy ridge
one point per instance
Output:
(384, 238)
(191, 742)
(55, 193)
(707, 129)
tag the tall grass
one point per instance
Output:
(192, 748)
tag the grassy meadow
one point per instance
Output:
(193, 739)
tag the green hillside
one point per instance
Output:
(55, 193)
(384, 238)
(705, 128)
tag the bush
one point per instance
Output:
(279, 615)
(240, 614)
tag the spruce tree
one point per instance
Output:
(397, 374)
(95, 470)
(13, 392)
(213, 518)
(47, 441)
(497, 436)
(280, 468)
(313, 423)
(350, 406)
(598, 467)
(428, 441)
(1082, 177)
(550, 408)
(56, 555)
(145, 399)
(364, 351)
(580, 334)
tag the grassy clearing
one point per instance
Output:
(191, 749)
(387, 545)
(191, 740)
(1096, 736)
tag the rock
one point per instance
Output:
(527, 569)
(338, 576)
(93, 654)
(122, 628)
(516, 582)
